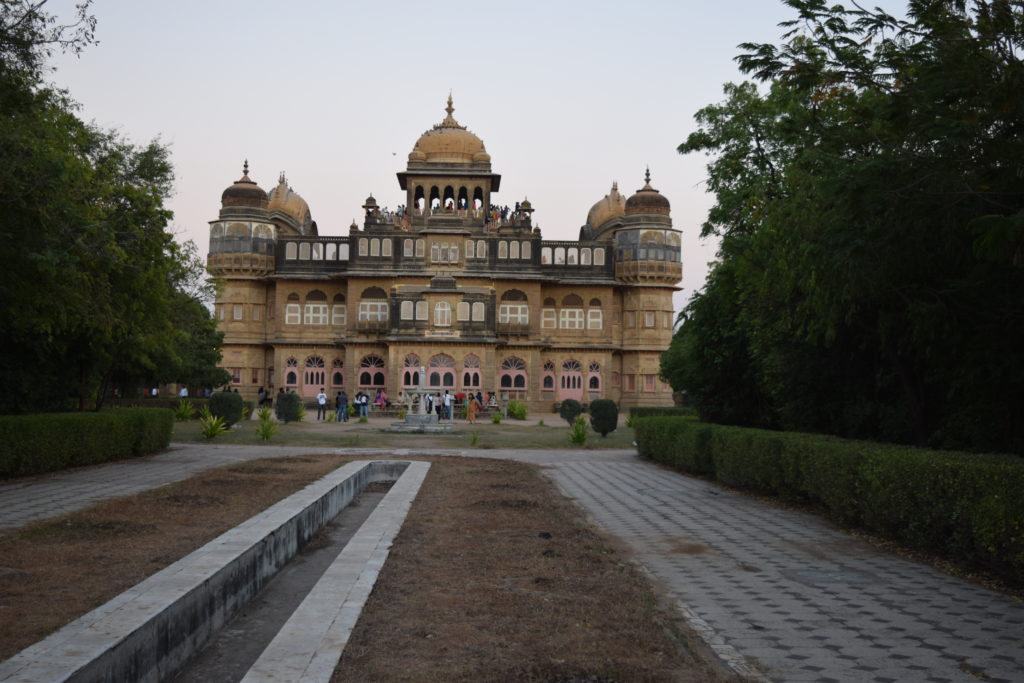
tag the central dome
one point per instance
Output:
(449, 142)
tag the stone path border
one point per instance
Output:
(145, 633)
(308, 647)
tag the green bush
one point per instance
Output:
(570, 409)
(184, 411)
(578, 431)
(33, 444)
(267, 428)
(659, 411)
(604, 416)
(288, 407)
(517, 410)
(966, 507)
(227, 405)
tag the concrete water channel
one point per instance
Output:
(250, 605)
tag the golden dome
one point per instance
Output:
(613, 205)
(244, 192)
(449, 142)
(647, 199)
(287, 201)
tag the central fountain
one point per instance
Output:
(417, 417)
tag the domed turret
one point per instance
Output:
(244, 192)
(288, 202)
(647, 200)
(612, 205)
(449, 142)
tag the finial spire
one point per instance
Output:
(449, 108)
(280, 178)
(647, 176)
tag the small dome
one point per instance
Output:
(282, 198)
(244, 192)
(647, 199)
(370, 201)
(449, 142)
(613, 205)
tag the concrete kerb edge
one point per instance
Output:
(309, 646)
(148, 631)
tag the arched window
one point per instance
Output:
(478, 311)
(316, 308)
(371, 371)
(292, 310)
(318, 254)
(407, 310)
(513, 373)
(481, 249)
(407, 248)
(545, 256)
(513, 250)
(595, 315)
(525, 253)
(290, 251)
(304, 251)
(503, 249)
(585, 256)
(364, 246)
(411, 370)
(470, 249)
(338, 310)
(331, 251)
(549, 375)
(442, 314)
(385, 247)
(559, 256)
(594, 376)
(471, 372)
(374, 305)
(337, 372)
(571, 256)
(599, 256)
(570, 383)
(291, 377)
(571, 314)
(421, 310)
(314, 376)
(462, 311)
(441, 371)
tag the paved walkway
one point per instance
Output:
(780, 595)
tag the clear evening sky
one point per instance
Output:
(567, 97)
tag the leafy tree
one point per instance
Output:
(95, 290)
(604, 416)
(871, 212)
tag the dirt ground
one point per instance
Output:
(495, 576)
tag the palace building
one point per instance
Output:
(451, 282)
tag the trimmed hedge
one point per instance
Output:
(659, 411)
(226, 405)
(32, 444)
(967, 507)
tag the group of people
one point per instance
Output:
(442, 404)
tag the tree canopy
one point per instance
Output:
(94, 289)
(870, 205)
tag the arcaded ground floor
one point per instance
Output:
(536, 375)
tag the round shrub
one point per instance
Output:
(570, 410)
(517, 410)
(604, 416)
(226, 405)
(288, 407)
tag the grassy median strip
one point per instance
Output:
(496, 576)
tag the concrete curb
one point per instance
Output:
(148, 631)
(309, 645)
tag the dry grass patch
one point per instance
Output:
(54, 571)
(496, 576)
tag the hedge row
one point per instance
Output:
(159, 402)
(967, 507)
(658, 411)
(31, 444)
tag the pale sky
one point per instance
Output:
(567, 97)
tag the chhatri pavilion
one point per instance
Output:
(452, 283)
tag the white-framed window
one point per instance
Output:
(599, 256)
(442, 314)
(514, 313)
(237, 312)
(421, 310)
(585, 256)
(373, 310)
(478, 311)
(525, 251)
(385, 247)
(290, 251)
(572, 256)
(595, 319)
(462, 311)
(648, 318)
(470, 250)
(318, 251)
(339, 314)
(503, 249)
(548, 319)
(513, 250)
(571, 318)
(292, 314)
(481, 249)
(364, 246)
(545, 255)
(304, 251)
(559, 256)
(316, 314)
(407, 310)
(256, 312)
(343, 251)
(331, 251)
(421, 247)
(407, 248)
(375, 247)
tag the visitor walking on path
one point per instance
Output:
(471, 407)
(321, 405)
(447, 405)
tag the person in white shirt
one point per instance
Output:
(183, 393)
(321, 405)
(447, 405)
